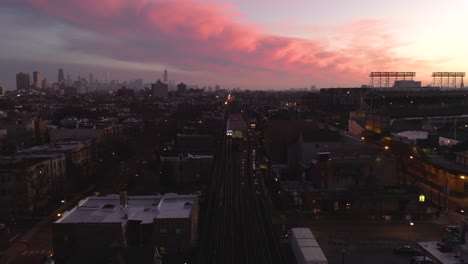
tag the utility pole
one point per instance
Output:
(446, 193)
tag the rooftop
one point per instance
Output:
(59, 146)
(322, 135)
(107, 209)
(302, 233)
(415, 135)
(432, 248)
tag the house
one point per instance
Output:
(127, 229)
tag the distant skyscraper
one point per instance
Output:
(37, 80)
(69, 80)
(165, 77)
(61, 76)
(181, 87)
(107, 77)
(159, 89)
(44, 83)
(91, 78)
(22, 81)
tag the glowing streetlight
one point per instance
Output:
(386, 147)
(59, 215)
(411, 224)
(411, 157)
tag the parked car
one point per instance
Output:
(406, 250)
(444, 248)
(459, 209)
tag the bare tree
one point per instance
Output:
(38, 182)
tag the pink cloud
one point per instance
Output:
(208, 36)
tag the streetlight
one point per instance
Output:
(64, 204)
(411, 224)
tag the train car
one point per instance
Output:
(236, 126)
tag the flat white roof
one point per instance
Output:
(107, 209)
(176, 206)
(313, 254)
(307, 242)
(300, 233)
(445, 258)
(415, 135)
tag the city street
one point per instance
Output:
(33, 244)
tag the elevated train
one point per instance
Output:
(236, 127)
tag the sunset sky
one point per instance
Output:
(252, 44)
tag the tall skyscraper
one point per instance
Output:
(69, 80)
(165, 77)
(159, 89)
(37, 80)
(23, 81)
(44, 83)
(61, 76)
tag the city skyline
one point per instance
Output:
(233, 43)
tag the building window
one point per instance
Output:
(163, 250)
(178, 230)
(163, 230)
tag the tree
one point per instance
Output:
(38, 182)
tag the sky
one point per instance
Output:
(251, 44)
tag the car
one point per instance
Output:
(444, 248)
(460, 210)
(406, 250)
(48, 259)
(452, 229)
(286, 234)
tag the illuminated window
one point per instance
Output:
(163, 250)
